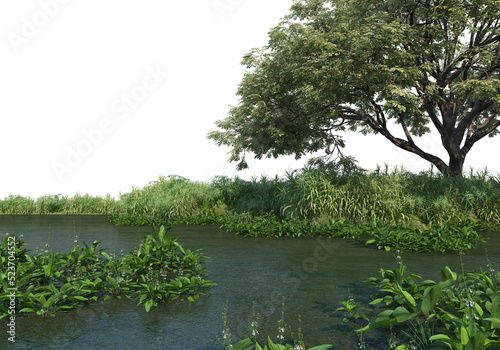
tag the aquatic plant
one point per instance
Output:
(458, 237)
(463, 310)
(251, 342)
(159, 271)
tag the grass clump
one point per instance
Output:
(170, 198)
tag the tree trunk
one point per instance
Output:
(456, 165)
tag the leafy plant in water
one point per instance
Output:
(159, 271)
(464, 310)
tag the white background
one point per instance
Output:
(64, 64)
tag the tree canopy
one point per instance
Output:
(398, 68)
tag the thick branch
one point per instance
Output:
(405, 129)
(469, 117)
(481, 132)
(352, 114)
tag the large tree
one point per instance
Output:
(373, 66)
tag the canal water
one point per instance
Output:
(309, 276)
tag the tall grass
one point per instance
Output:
(256, 197)
(58, 204)
(396, 197)
(171, 197)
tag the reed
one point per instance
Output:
(394, 197)
(397, 197)
(58, 204)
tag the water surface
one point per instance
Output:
(312, 274)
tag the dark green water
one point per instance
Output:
(313, 274)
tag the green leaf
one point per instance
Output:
(148, 305)
(431, 296)
(409, 298)
(403, 315)
(322, 347)
(245, 344)
(112, 281)
(464, 336)
(439, 337)
(27, 309)
(447, 274)
(273, 346)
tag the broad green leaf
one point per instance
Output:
(464, 336)
(322, 347)
(273, 346)
(245, 344)
(148, 305)
(447, 274)
(409, 298)
(403, 315)
(431, 296)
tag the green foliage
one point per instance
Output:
(351, 309)
(251, 343)
(159, 271)
(51, 204)
(255, 197)
(398, 209)
(17, 205)
(396, 198)
(337, 65)
(58, 204)
(444, 238)
(88, 204)
(172, 197)
(464, 310)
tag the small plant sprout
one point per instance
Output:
(281, 323)
(226, 340)
(255, 322)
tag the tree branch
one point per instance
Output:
(469, 117)
(405, 129)
(481, 132)
(352, 114)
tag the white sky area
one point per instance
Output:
(87, 105)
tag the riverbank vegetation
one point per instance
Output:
(396, 209)
(462, 311)
(158, 271)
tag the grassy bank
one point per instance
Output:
(395, 207)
